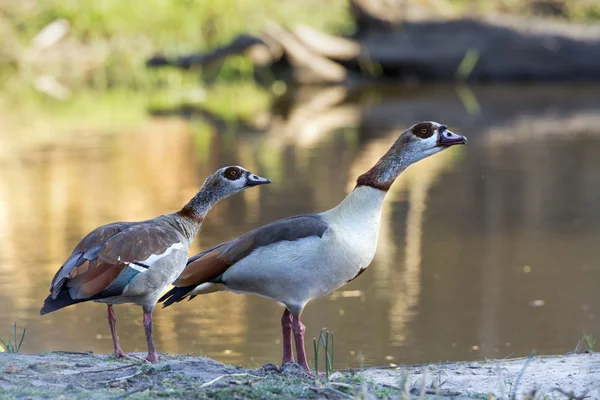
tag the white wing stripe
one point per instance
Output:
(152, 259)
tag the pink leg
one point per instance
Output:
(298, 328)
(112, 322)
(152, 354)
(286, 327)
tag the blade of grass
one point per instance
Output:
(22, 338)
(13, 347)
(332, 349)
(513, 396)
(316, 350)
(327, 360)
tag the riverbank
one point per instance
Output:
(85, 375)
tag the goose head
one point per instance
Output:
(416, 143)
(231, 180)
(427, 138)
(223, 183)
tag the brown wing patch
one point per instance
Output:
(96, 278)
(423, 130)
(104, 253)
(91, 241)
(203, 269)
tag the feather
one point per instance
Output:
(99, 266)
(210, 265)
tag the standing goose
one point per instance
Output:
(302, 258)
(133, 262)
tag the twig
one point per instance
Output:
(143, 388)
(514, 393)
(87, 353)
(578, 348)
(340, 384)
(107, 370)
(387, 385)
(438, 392)
(218, 378)
(571, 395)
(124, 378)
(339, 392)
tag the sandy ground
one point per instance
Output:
(61, 375)
(549, 377)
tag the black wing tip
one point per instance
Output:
(175, 295)
(61, 300)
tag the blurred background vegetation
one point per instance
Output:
(102, 44)
(106, 42)
(93, 52)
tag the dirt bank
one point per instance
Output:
(80, 376)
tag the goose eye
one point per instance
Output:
(233, 173)
(423, 131)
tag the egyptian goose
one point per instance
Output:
(133, 262)
(302, 258)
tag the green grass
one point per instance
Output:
(15, 346)
(590, 340)
(328, 346)
(382, 392)
(109, 40)
(268, 387)
(178, 25)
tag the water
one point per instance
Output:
(487, 250)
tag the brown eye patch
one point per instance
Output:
(232, 173)
(423, 130)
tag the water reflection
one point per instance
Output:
(458, 229)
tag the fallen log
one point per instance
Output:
(499, 50)
(239, 45)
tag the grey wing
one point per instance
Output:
(210, 265)
(288, 229)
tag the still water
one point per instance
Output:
(487, 250)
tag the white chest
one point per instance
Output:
(355, 228)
